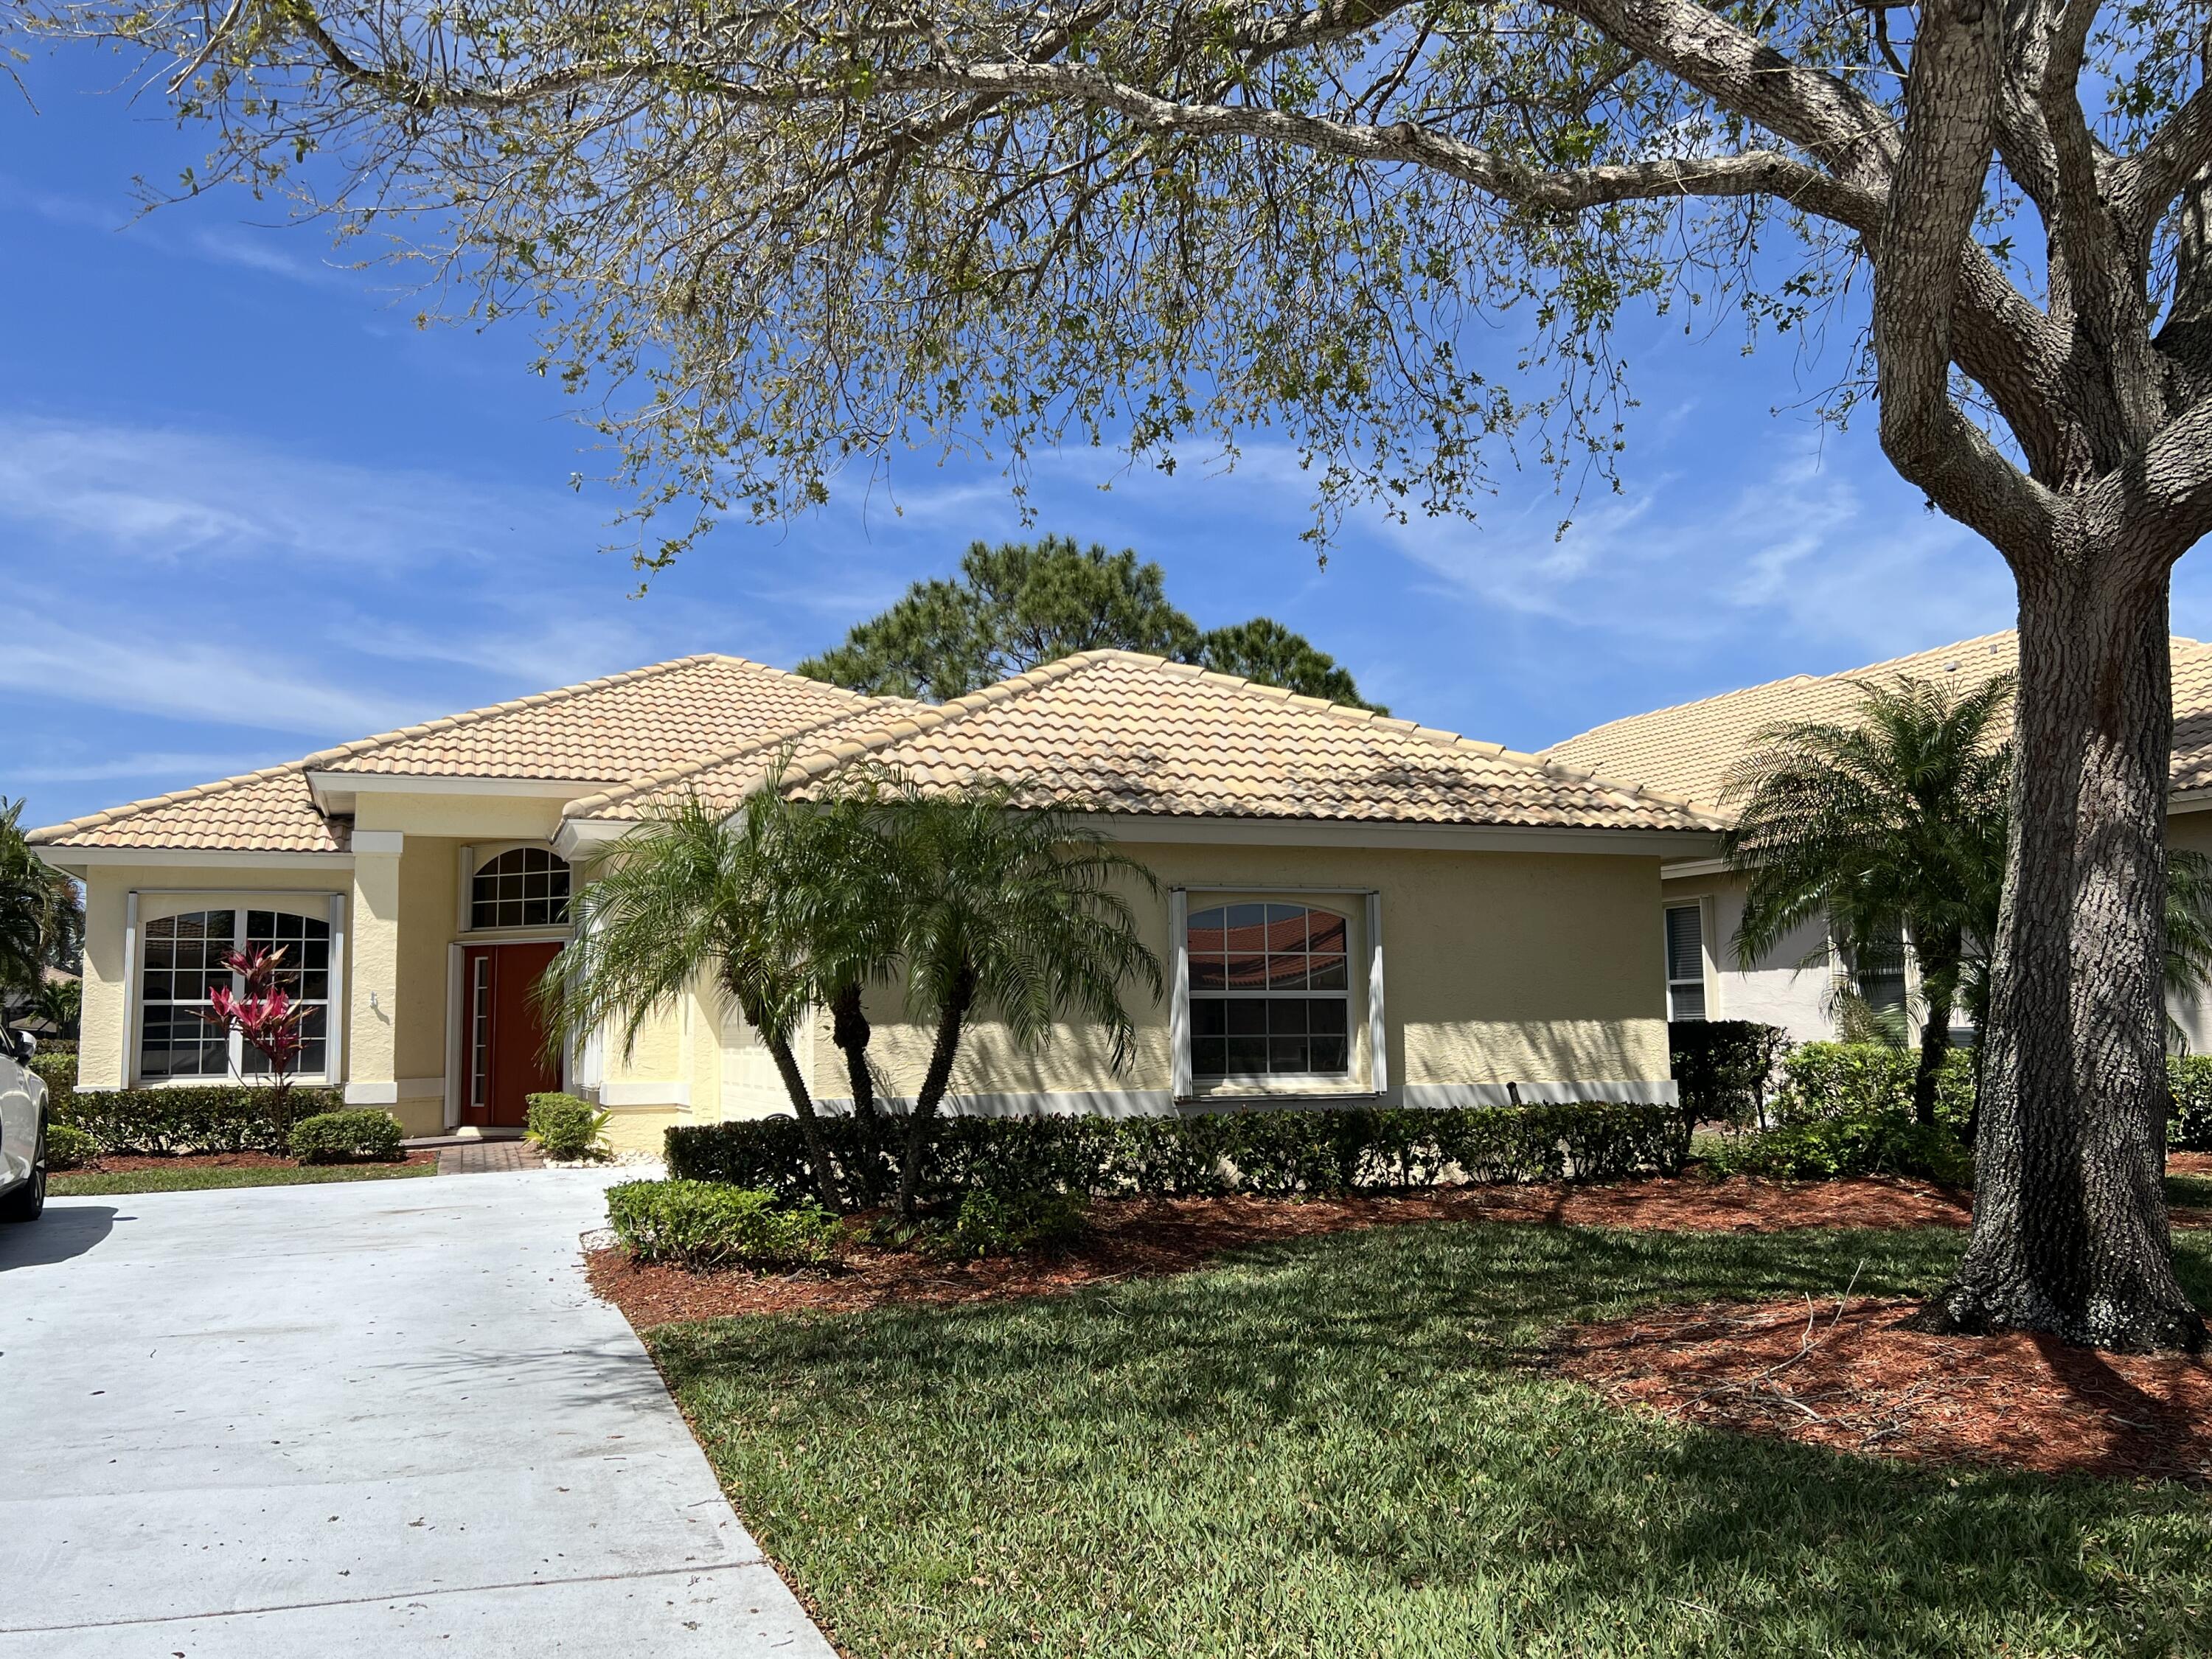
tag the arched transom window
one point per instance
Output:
(185, 961)
(1269, 991)
(525, 887)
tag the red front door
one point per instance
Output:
(502, 1036)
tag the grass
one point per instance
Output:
(1336, 1446)
(94, 1184)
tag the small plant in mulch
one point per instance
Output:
(987, 1224)
(1850, 1376)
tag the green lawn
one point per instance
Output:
(91, 1183)
(1334, 1447)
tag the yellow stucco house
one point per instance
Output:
(1309, 856)
(1688, 750)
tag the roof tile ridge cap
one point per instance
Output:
(731, 657)
(927, 717)
(584, 805)
(475, 716)
(45, 834)
(1562, 772)
(1776, 684)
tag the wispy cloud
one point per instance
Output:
(1801, 546)
(163, 493)
(172, 675)
(163, 764)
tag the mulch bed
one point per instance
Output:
(1133, 1238)
(129, 1163)
(1847, 1376)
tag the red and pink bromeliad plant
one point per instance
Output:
(267, 1018)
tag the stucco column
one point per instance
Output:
(372, 1079)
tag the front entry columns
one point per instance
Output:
(371, 1075)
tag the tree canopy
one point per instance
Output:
(1023, 603)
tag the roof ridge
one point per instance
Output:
(358, 746)
(932, 717)
(1769, 685)
(535, 699)
(1431, 734)
(646, 782)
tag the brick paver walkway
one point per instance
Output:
(489, 1157)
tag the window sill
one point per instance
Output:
(1337, 1089)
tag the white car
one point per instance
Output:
(23, 1131)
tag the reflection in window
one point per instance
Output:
(527, 887)
(1269, 991)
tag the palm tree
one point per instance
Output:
(1890, 826)
(60, 1004)
(845, 900)
(1013, 914)
(694, 891)
(39, 914)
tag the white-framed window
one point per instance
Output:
(184, 962)
(1270, 991)
(1878, 973)
(522, 887)
(1685, 962)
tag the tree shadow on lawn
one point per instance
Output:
(1338, 1445)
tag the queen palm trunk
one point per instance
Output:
(951, 1019)
(810, 1126)
(2070, 1232)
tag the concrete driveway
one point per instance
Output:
(382, 1419)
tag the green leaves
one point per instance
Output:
(1021, 604)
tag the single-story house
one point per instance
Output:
(1687, 752)
(421, 878)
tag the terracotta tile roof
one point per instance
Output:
(601, 730)
(1686, 751)
(266, 811)
(1114, 732)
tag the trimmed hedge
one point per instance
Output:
(68, 1148)
(567, 1129)
(1833, 1148)
(2188, 1081)
(1821, 1080)
(703, 1226)
(1272, 1153)
(343, 1136)
(223, 1117)
(1725, 1068)
(59, 1072)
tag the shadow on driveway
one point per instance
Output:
(64, 1231)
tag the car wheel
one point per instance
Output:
(26, 1201)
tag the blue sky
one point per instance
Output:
(247, 508)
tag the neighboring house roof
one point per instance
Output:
(605, 730)
(1687, 750)
(1113, 732)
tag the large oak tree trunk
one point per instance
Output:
(2070, 1233)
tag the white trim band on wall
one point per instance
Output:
(1179, 992)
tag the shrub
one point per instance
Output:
(1725, 1068)
(2188, 1081)
(1006, 1223)
(336, 1137)
(59, 1072)
(202, 1118)
(567, 1129)
(1832, 1148)
(68, 1148)
(702, 1224)
(1266, 1152)
(1865, 1079)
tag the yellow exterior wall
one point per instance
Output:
(1523, 967)
(101, 1062)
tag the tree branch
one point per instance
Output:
(1950, 130)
